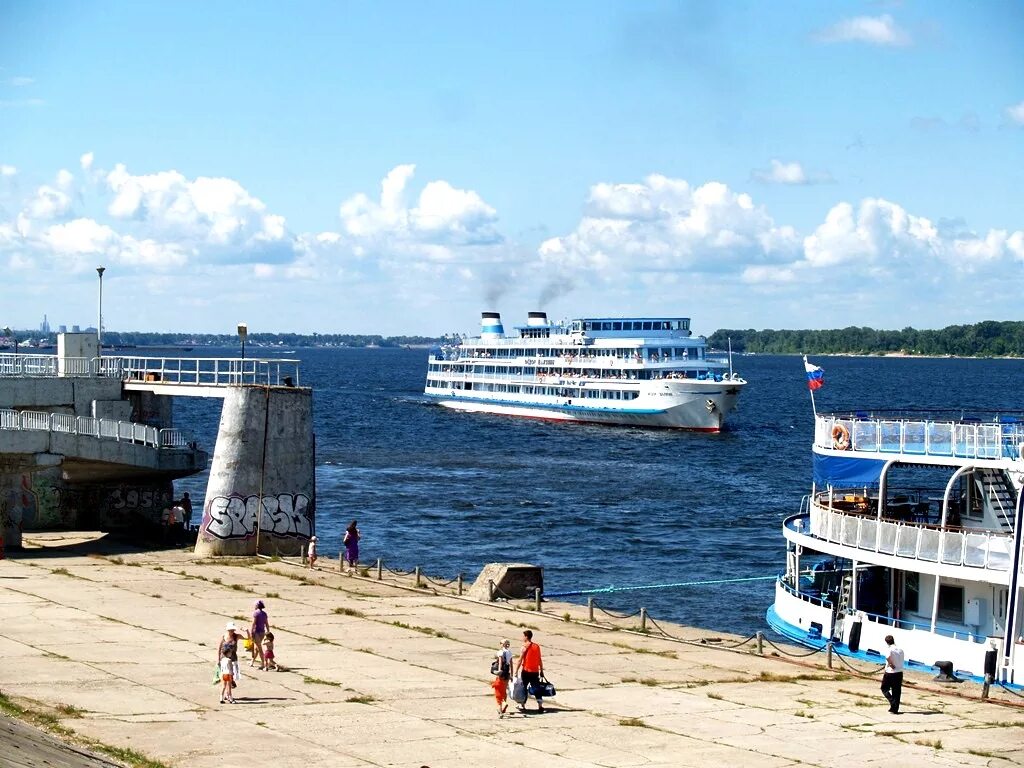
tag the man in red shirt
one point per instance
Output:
(532, 668)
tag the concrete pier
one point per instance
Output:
(261, 493)
(121, 649)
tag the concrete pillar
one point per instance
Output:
(260, 497)
(31, 499)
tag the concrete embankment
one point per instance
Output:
(120, 646)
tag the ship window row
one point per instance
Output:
(636, 325)
(540, 373)
(653, 354)
(569, 392)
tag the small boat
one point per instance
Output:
(637, 371)
(913, 528)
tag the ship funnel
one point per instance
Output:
(490, 326)
(535, 319)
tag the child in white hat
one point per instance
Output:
(312, 552)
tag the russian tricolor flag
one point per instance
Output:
(815, 376)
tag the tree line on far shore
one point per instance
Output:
(986, 339)
(154, 339)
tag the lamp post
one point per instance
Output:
(99, 320)
(243, 331)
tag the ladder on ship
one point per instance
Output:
(999, 496)
(842, 608)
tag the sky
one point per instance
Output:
(398, 167)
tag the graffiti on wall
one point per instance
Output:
(128, 504)
(234, 517)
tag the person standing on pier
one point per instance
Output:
(227, 661)
(186, 510)
(312, 552)
(260, 627)
(351, 542)
(892, 678)
(532, 667)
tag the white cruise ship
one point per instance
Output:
(913, 528)
(639, 371)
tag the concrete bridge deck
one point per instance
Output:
(120, 648)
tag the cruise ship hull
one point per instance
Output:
(701, 409)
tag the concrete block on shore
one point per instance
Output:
(513, 581)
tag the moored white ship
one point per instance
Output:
(912, 528)
(642, 371)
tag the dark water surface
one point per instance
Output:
(596, 506)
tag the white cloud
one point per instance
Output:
(8, 170)
(215, 212)
(875, 30)
(443, 216)
(86, 161)
(48, 203)
(1015, 113)
(665, 224)
(880, 237)
(20, 81)
(789, 173)
(79, 237)
(638, 244)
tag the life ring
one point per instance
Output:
(840, 438)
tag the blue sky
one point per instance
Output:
(399, 167)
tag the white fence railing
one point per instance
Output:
(974, 549)
(106, 429)
(187, 371)
(211, 371)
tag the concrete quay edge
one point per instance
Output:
(386, 674)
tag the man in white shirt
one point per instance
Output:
(892, 678)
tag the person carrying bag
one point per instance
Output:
(530, 669)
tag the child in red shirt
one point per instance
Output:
(500, 686)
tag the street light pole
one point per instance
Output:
(99, 320)
(243, 331)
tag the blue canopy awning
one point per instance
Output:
(843, 471)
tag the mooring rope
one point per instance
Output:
(608, 590)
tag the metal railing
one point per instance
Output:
(107, 429)
(186, 371)
(988, 550)
(211, 371)
(1000, 437)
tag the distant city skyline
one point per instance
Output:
(399, 168)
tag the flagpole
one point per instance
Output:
(814, 408)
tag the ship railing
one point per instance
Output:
(575, 377)
(953, 634)
(211, 371)
(584, 360)
(808, 597)
(88, 426)
(987, 550)
(1002, 437)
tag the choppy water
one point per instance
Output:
(596, 506)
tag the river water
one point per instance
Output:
(596, 506)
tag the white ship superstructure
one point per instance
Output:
(641, 371)
(912, 528)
